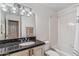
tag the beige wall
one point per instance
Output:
(53, 32)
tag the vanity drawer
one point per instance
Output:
(21, 53)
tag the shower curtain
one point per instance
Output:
(76, 41)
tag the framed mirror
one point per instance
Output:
(16, 26)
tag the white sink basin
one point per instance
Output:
(27, 43)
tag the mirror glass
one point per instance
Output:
(28, 26)
(16, 26)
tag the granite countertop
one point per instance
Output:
(9, 48)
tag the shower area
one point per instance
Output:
(76, 41)
(68, 31)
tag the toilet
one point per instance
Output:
(48, 51)
(51, 53)
(54, 51)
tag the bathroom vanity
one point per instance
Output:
(14, 27)
(13, 48)
(35, 51)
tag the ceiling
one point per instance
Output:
(57, 6)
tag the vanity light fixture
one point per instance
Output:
(16, 9)
(3, 7)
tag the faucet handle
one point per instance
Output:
(25, 38)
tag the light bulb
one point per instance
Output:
(22, 13)
(27, 9)
(23, 10)
(14, 11)
(30, 12)
(13, 8)
(2, 5)
(4, 9)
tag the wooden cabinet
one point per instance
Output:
(21, 53)
(37, 51)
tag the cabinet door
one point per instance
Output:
(21, 53)
(38, 51)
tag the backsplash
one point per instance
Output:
(16, 40)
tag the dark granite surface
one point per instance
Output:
(12, 47)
